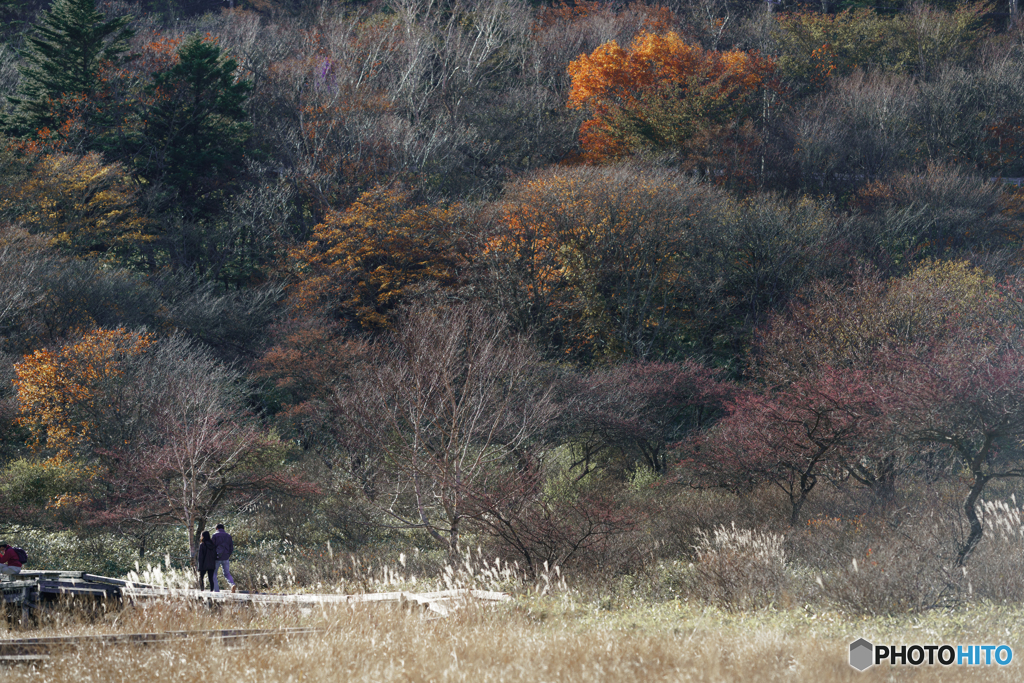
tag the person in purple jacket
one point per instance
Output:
(222, 542)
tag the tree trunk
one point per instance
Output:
(977, 464)
(972, 517)
(453, 542)
(797, 497)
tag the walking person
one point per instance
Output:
(206, 562)
(224, 546)
(10, 563)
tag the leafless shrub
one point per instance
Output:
(685, 513)
(446, 423)
(994, 569)
(859, 130)
(739, 569)
(840, 524)
(21, 259)
(963, 113)
(937, 212)
(714, 22)
(592, 532)
(905, 570)
(233, 323)
(63, 296)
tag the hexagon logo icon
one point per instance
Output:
(862, 654)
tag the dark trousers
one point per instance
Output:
(203, 577)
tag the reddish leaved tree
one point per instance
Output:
(966, 398)
(637, 410)
(815, 427)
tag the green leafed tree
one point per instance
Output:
(61, 76)
(196, 128)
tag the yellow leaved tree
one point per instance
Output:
(81, 204)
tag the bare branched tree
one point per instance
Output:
(190, 447)
(19, 266)
(449, 413)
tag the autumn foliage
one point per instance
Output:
(595, 256)
(663, 93)
(362, 262)
(64, 395)
(634, 412)
(814, 428)
(82, 205)
(371, 245)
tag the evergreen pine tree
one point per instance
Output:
(196, 129)
(61, 75)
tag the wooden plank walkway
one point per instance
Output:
(436, 601)
(22, 593)
(29, 588)
(33, 587)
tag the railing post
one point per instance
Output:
(25, 613)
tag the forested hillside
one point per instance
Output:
(574, 282)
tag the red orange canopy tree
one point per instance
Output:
(663, 94)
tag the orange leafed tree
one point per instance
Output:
(663, 93)
(363, 262)
(64, 395)
(309, 360)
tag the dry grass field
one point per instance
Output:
(547, 638)
(741, 611)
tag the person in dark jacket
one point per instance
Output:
(222, 540)
(206, 562)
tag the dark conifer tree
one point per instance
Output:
(60, 78)
(197, 127)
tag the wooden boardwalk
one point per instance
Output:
(438, 602)
(35, 587)
(23, 593)
(30, 588)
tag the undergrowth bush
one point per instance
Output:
(684, 513)
(385, 569)
(739, 569)
(993, 571)
(106, 554)
(891, 571)
(852, 554)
